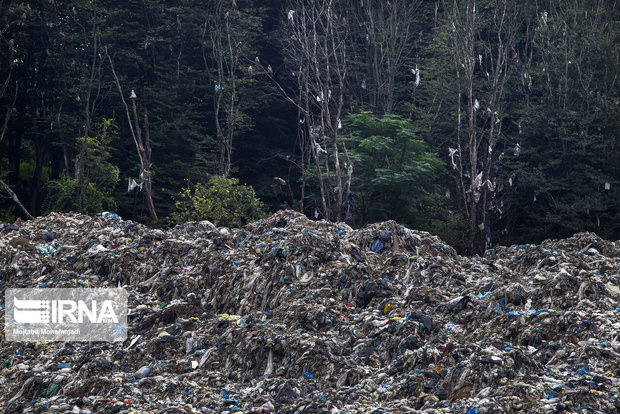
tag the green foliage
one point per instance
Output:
(100, 178)
(560, 104)
(447, 223)
(61, 197)
(99, 170)
(8, 215)
(566, 110)
(394, 174)
(223, 201)
(27, 168)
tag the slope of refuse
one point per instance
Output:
(289, 315)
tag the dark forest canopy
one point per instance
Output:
(485, 122)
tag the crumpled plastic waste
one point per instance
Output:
(297, 316)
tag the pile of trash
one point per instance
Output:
(289, 315)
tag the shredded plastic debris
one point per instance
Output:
(292, 315)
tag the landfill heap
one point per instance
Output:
(289, 315)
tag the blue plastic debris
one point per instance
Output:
(585, 370)
(474, 410)
(377, 246)
(113, 216)
(308, 375)
(46, 250)
(483, 295)
(538, 312)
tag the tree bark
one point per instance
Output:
(144, 154)
(147, 178)
(6, 188)
(88, 114)
(5, 126)
(483, 107)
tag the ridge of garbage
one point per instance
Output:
(290, 315)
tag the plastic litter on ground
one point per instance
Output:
(289, 315)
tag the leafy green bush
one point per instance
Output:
(223, 201)
(62, 192)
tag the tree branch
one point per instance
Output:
(6, 188)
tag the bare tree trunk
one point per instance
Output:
(316, 49)
(233, 59)
(475, 181)
(88, 113)
(147, 179)
(226, 52)
(9, 111)
(302, 140)
(319, 51)
(5, 126)
(6, 188)
(144, 152)
(460, 182)
(388, 34)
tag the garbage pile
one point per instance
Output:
(289, 315)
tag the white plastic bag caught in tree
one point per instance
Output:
(416, 73)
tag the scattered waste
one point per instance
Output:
(289, 315)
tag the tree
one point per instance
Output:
(316, 43)
(561, 171)
(396, 174)
(156, 50)
(90, 96)
(229, 31)
(143, 146)
(7, 17)
(99, 178)
(384, 35)
(481, 65)
(519, 98)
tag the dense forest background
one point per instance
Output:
(483, 121)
